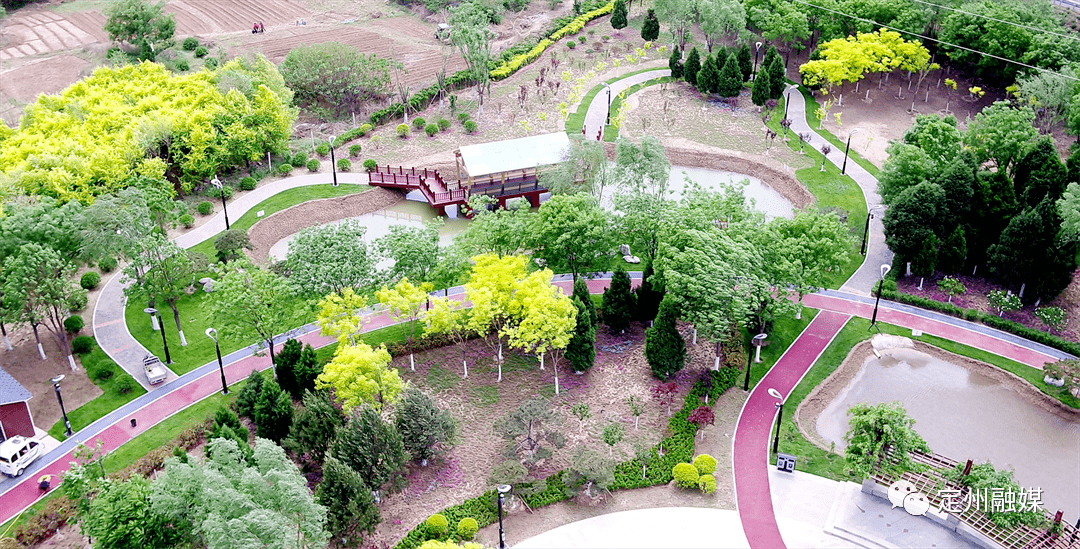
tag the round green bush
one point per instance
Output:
(313, 165)
(462, 117)
(370, 165)
(707, 484)
(201, 52)
(284, 169)
(78, 301)
(354, 150)
(403, 130)
(298, 160)
(444, 124)
(571, 44)
(82, 345)
(206, 207)
(419, 123)
(685, 475)
(431, 130)
(322, 149)
(705, 464)
(437, 525)
(582, 39)
(467, 528)
(125, 385)
(182, 65)
(90, 280)
(73, 324)
(190, 43)
(210, 63)
(187, 220)
(225, 191)
(365, 129)
(107, 264)
(247, 183)
(470, 126)
(344, 164)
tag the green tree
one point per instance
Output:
(273, 412)
(618, 15)
(531, 431)
(39, 290)
(708, 78)
(251, 302)
(472, 36)
(497, 306)
(650, 28)
(907, 166)
(503, 231)
(937, 136)
(373, 448)
(784, 22)
(167, 272)
(404, 303)
(141, 24)
(581, 351)
(912, 218)
(572, 233)
(731, 82)
(679, 16)
(951, 287)
(581, 292)
(447, 316)
(329, 258)
(1003, 300)
(582, 412)
(547, 320)
(297, 366)
(44, 221)
(414, 251)
(777, 76)
(230, 243)
(877, 431)
(808, 247)
(350, 507)
(953, 251)
(113, 226)
(676, 66)
(335, 77)
(316, 425)
(1053, 317)
(746, 65)
(957, 181)
(613, 434)
(1021, 251)
(1039, 173)
(999, 133)
(760, 89)
(590, 469)
(692, 66)
(361, 374)
(586, 169)
(422, 425)
(249, 394)
(665, 349)
(120, 514)
(719, 18)
(619, 302)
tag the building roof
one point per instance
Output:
(515, 154)
(10, 390)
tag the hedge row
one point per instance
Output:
(988, 319)
(678, 448)
(573, 27)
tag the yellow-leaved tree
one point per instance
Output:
(404, 303)
(547, 322)
(447, 316)
(341, 315)
(361, 374)
(492, 287)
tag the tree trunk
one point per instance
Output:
(273, 365)
(41, 350)
(412, 363)
(176, 318)
(3, 330)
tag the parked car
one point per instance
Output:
(17, 453)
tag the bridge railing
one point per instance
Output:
(429, 182)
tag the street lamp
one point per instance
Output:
(779, 417)
(607, 122)
(217, 183)
(787, 98)
(152, 311)
(56, 386)
(503, 489)
(873, 320)
(853, 132)
(333, 164)
(866, 231)
(212, 334)
(757, 49)
(759, 340)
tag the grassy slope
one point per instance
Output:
(814, 121)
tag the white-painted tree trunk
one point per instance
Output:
(920, 283)
(1022, 288)
(183, 340)
(41, 351)
(798, 314)
(412, 363)
(7, 343)
(71, 362)
(154, 322)
(840, 101)
(867, 95)
(694, 342)
(716, 364)
(541, 361)
(465, 366)
(556, 380)
(636, 422)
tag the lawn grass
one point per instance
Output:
(278, 202)
(440, 379)
(485, 395)
(814, 121)
(110, 378)
(782, 334)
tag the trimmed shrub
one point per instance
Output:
(313, 165)
(685, 474)
(190, 43)
(73, 324)
(437, 525)
(354, 150)
(210, 63)
(370, 165)
(90, 280)
(284, 169)
(181, 65)
(322, 149)
(78, 302)
(462, 117)
(467, 528)
(107, 264)
(365, 129)
(82, 345)
(403, 130)
(187, 220)
(344, 164)
(444, 124)
(125, 385)
(299, 159)
(571, 44)
(419, 123)
(707, 484)
(431, 130)
(247, 183)
(206, 207)
(705, 464)
(470, 126)
(201, 52)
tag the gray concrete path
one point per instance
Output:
(110, 328)
(596, 116)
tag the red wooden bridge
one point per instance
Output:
(440, 193)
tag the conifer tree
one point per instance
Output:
(581, 351)
(650, 29)
(777, 75)
(692, 66)
(350, 505)
(273, 412)
(708, 78)
(730, 81)
(619, 15)
(675, 63)
(619, 302)
(371, 447)
(649, 296)
(760, 89)
(746, 66)
(422, 424)
(581, 291)
(665, 349)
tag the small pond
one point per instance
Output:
(966, 415)
(763, 197)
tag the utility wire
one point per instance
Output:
(857, 18)
(1021, 25)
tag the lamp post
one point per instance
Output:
(503, 489)
(757, 50)
(607, 121)
(843, 169)
(152, 311)
(866, 231)
(333, 164)
(884, 271)
(56, 387)
(759, 340)
(779, 417)
(212, 334)
(217, 183)
(787, 97)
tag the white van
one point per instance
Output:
(16, 454)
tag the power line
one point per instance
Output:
(857, 18)
(1021, 25)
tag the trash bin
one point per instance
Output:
(785, 462)
(133, 423)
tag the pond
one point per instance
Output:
(760, 195)
(963, 415)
